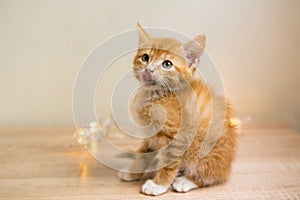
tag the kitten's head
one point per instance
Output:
(165, 63)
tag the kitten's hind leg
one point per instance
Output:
(126, 175)
(184, 184)
(135, 171)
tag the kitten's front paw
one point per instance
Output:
(151, 188)
(182, 184)
(124, 175)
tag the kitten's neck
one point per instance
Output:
(152, 94)
(155, 94)
(161, 93)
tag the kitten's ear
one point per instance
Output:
(194, 49)
(143, 36)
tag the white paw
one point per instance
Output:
(124, 175)
(150, 188)
(182, 184)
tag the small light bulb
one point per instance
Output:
(93, 124)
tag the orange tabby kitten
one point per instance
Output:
(167, 70)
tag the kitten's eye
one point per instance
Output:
(145, 58)
(167, 64)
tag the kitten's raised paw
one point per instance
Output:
(151, 188)
(124, 175)
(182, 184)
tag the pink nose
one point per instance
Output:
(147, 75)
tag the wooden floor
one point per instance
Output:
(48, 163)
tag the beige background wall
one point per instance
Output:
(254, 43)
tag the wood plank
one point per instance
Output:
(48, 163)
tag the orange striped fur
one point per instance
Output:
(159, 88)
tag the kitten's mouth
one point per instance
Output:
(150, 82)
